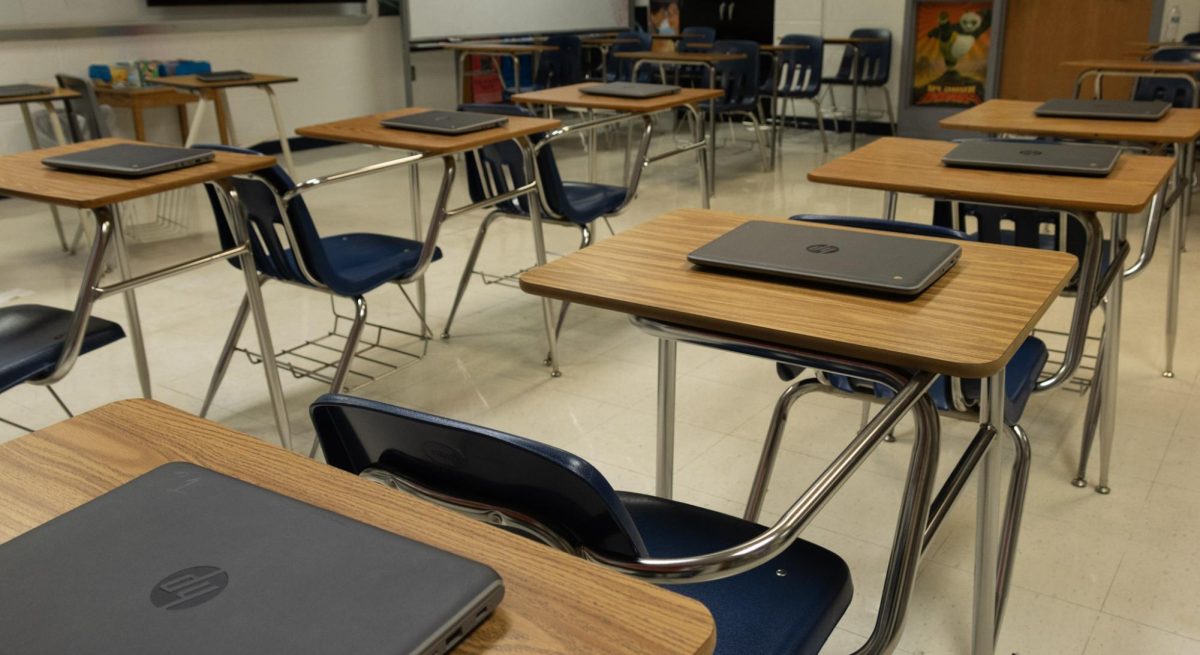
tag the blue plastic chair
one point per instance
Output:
(799, 77)
(31, 341)
(556, 68)
(1191, 38)
(739, 80)
(345, 265)
(621, 70)
(695, 38)
(874, 66)
(1176, 91)
(574, 204)
(557, 498)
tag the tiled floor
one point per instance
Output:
(1098, 575)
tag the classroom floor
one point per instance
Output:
(1095, 574)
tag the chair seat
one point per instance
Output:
(366, 261)
(588, 202)
(788, 605)
(1020, 376)
(31, 340)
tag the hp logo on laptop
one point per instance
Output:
(822, 249)
(189, 587)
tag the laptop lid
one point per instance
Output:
(1035, 157)
(445, 122)
(635, 90)
(1127, 110)
(187, 561)
(130, 159)
(18, 90)
(224, 76)
(860, 260)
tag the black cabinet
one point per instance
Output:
(753, 20)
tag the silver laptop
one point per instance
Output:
(1121, 110)
(632, 90)
(187, 561)
(1034, 157)
(18, 90)
(860, 260)
(445, 122)
(130, 159)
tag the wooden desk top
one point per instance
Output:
(192, 83)
(57, 94)
(23, 175)
(783, 47)
(1135, 65)
(853, 40)
(367, 130)
(969, 323)
(571, 96)
(607, 41)
(1017, 117)
(554, 603)
(498, 48)
(686, 57)
(915, 166)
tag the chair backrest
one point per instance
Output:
(563, 66)
(622, 69)
(257, 196)
(478, 465)
(874, 59)
(1176, 91)
(882, 225)
(739, 78)
(1192, 38)
(800, 70)
(694, 36)
(1014, 226)
(85, 106)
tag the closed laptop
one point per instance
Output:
(18, 90)
(1082, 159)
(1121, 110)
(632, 90)
(129, 159)
(445, 122)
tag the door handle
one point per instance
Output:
(731, 6)
(721, 11)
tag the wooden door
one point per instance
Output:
(1040, 34)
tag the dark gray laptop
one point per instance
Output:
(1035, 157)
(632, 90)
(445, 122)
(1121, 110)
(130, 159)
(224, 76)
(187, 561)
(810, 253)
(18, 90)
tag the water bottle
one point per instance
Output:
(1172, 33)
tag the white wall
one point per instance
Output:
(344, 70)
(1189, 16)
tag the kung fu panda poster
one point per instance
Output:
(952, 40)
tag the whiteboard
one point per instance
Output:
(441, 19)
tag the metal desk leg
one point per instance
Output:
(1183, 180)
(665, 477)
(1112, 354)
(889, 205)
(1186, 199)
(197, 119)
(33, 143)
(284, 146)
(414, 192)
(701, 156)
(539, 248)
(131, 308)
(987, 522)
(591, 115)
(712, 133)
(854, 75)
(774, 108)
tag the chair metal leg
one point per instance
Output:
(57, 399)
(469, 269)
(821, 125)
(343, 369)
(1091, 419)
(887, 101)
(235, 333)
(770, 450)
(758, 123)
(1011, 523)
(15, 425)
(585, 240)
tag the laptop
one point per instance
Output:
(129, 159)
(1035, 157)
(859, 260)
(633, 90)
(224, 76)
(187, 561)
(445, 122)
(18, 90)
(1121, 110)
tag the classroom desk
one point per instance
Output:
(23, 175)
(46, 100)
(1179, 128)
(896, 165)
(708, 60)
(969, 324)
(855, 44)
(137, 99)
(511, 50)
(1101, 68)
(604, 44)
(215, 93)
(553, 603)
(572, 96)
(776, 52)
(367, 130)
